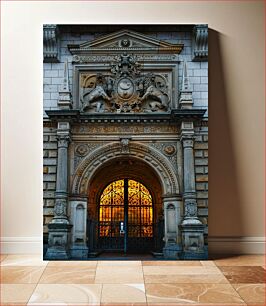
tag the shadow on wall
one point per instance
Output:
(225, 215)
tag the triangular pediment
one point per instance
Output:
(126, 40)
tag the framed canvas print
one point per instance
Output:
(125, 142)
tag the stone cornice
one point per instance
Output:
(176, 115)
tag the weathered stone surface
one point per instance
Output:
(201, 146)
(52, 153)
(50, 186)
(202, 195)
(201, 178)
(49, 162)
(198, 153)
(48, 194)
(52, 170)
(49, 177)
(50, 145)
(45, 170)
(201, 162)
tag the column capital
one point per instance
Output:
(188, 142)
(63, 140)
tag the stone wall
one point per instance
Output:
(49, 174)
(201, 172)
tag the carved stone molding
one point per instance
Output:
(159, 163)
(200, 42)
(63, 141)
(51, 44)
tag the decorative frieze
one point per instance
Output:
(95, 129)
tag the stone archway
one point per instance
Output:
(150, 156)
(134, 161)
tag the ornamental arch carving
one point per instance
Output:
(150, 156)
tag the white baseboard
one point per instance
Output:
(217, 245)
(21, 245)
(236, 245)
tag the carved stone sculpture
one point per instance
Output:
(124, 89)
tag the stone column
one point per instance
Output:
(192, 228)
(59, 227)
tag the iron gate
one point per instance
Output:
(126, 220)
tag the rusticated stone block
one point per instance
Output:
(50, 145)
(201, 162)
(201, 178)
(45, 138)
(50, 186)
(201, 145)
(200, 186)
(198, 153)
(45, 170)
(202, 203)
(53, 153)
(202, 195)
(206, 153)
(48, 194)
(45, 153)
(49, 162)
(50, 202)
(199, 170)
(53, 138)
(49, 177)
(52, 170)
(48, 211)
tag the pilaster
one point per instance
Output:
(59, 227)
(191, 226)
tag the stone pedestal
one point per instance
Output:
(172, 218)
(78, 218)
(59, 227)
(191, 227)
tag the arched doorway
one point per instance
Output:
(125, 211)
(125, 217)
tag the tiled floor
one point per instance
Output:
(27, 280)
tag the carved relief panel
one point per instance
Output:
(121, 73)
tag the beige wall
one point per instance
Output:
(236, 106)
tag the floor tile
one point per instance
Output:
(123, 263)
(242, 260)
(251, 293)
(2, 256)
(21, 275)
(72, 263)
(23, 260)
(68, 275)
(119, 275)
(175, 270)
(208, 263)
(185, 279)
(123, 293)
(249, 274)
(16, 293)
(195, 293)
(172, 263)
(66, 294)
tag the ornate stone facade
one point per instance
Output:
(124, 109)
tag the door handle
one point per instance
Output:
(122, 231)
